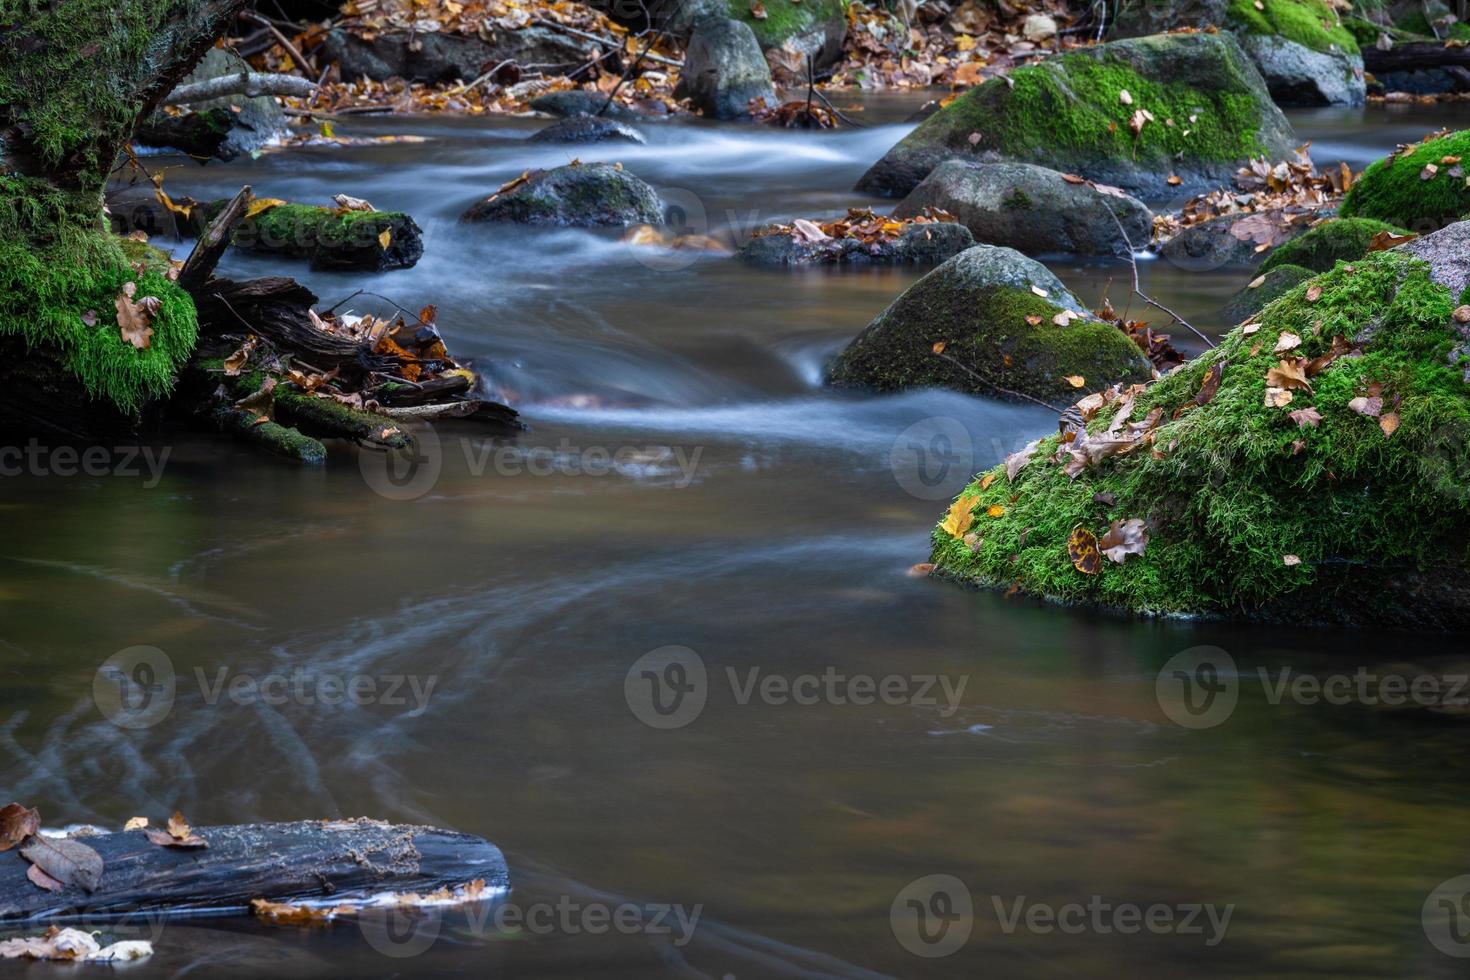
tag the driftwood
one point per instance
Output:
(212, 244)
(249, 84)
(1408, 57)
(283, 862)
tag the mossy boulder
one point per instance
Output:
(810, 27)
(977, 306)
(1322, 247)
(1356, 510)
(1402, 189)
(329, 238)
(724, 70)
(1211, 114)
(1304, 51)
(580, 195)
(587, 129)
(1263, 291)
(1032, 209)
(925, 244)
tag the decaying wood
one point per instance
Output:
(284, 862)
(1409, 57)
(210, 248)
(249, 84)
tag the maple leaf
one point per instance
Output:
(1082, 549)
(961, 515)
(1306, 417)
(1289, 374)
(1124, 538)
(134, 319)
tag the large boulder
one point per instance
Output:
(1001, 322)
(1210, 113)
(223, 128)
(439, 57)
(1032, 209)
(918, 244)
(724, 69)
(786, 27)
(582, 195)
(1421, 189)
(1338, 240)
(1302, 49)
(1311, 469)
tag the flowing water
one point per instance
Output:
(687, 483)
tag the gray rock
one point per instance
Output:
(918, 245)
(1061, 121)
(582, 195)
(437, 58)
(1031, 209)
(724, 68)
(1135, 18)
(811, 27)
(1210, 245)
(587, 129)
(980, 307)
(1297, 75)
(1448, 253)
(223, 128)
(578, 102)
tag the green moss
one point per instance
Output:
(1417, 23)
(1307, 22)
(1227, 491)
(1278, 281)
(50, 280)
(1018, 201)
(988, 332)
(785, 18)
(1321, 247)
(1394, 188)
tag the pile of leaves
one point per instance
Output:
(796, 114)
(1271, 200)
(1157, 347)
(953, 44)
(862, 224)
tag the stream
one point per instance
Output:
(690, 511)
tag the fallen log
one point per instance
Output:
(283, 862)
(1409, 57)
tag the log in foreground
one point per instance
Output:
(284, 862)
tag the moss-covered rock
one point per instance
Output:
(581, 195)
(1211, 113)
(1032, 209)
(925, 244)
(1311, 23)
(814, 27)
(1322, 247)
(224, 128)
(1402, 189)
(331, 238)
(997, 333)
(1265, 290)
(1333, 516)
(1136, 18)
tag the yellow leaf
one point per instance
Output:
(135, 823)
(385, 238)
(327, 130)
(987, 480)
(960, 515)
(939, 347)
(261, 204)
(1075, 380)
(995, 510)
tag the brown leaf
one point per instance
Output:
(16, 824)
(165, 839)
(1278, 398)
(346, 203)
(1462, 314)
(262, 401)
(282, 914)
(1209, 384)
(1290, 561)
(236, 362)
(136, 823)
(938, 348)
(1386, 239)
(1035, 321)
(1370, 405)
(134, 318)
(1286, 342)
(68, 861)
(1083, 550)
(1314, 293)
(758, 11)
(1124, 538)
(1075, 380)
(1389, 423)
(1306, 417)
(1016, 461)
(1074, 179)
(1256, 283)
(1289, 374)
(922, 570)
(41, 879)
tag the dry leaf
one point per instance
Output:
(346, 203)
(758, 11)
(1035, 321)
(1124, 538)
(1082, 549)
(1289, 374)
(1287, 341)
(1075, 380)
(938, 348)
(282, 914)
(1370, 405)
(41, 879)
(1040, 292)
(808, 231)
(16, 824)
(961, 515)
(1125, 97)
(1256, 283)
(1386, 239)
(68, 861)
(1174, 180)
(1314, 293)
(1017, 461)
(1462, 314)
(1389, 423)
(1290, 561)
(136, 823)
(385, 238)
(134, 318)
(995, 510)
(1306, 417)
(261, 204)
(1209, 384)
(1277, 397)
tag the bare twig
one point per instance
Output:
(991, 384)
(627, 72)
(1133, 262)
(485, 77)
(838, 112)
(281, 39)
(243, 83)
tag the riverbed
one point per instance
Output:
(688, 494)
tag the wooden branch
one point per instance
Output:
(212, 244)
(284, 862)
(607, 42)
(249, 84)
(281, 39)
(1408, 57)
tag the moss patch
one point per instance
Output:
(1307, 22)
(48, 284)
(1322, 247)
(786, 18)
(1394, 188)
(331, 238)
(1228, 492)
(1279, 281)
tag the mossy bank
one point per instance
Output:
(1195, 109)
(1355, 510)
(1422, 189)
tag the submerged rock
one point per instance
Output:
(1314, 470)
(977, 305)
(221, 128)
(724, 68)
(1032, 209)
(1209, 108)
(583, 195)
(587, 129)
(1215, 244)
(1266, 289)
(1422, 189)
(1322, 247)
(1144, 17)
(917, 245)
